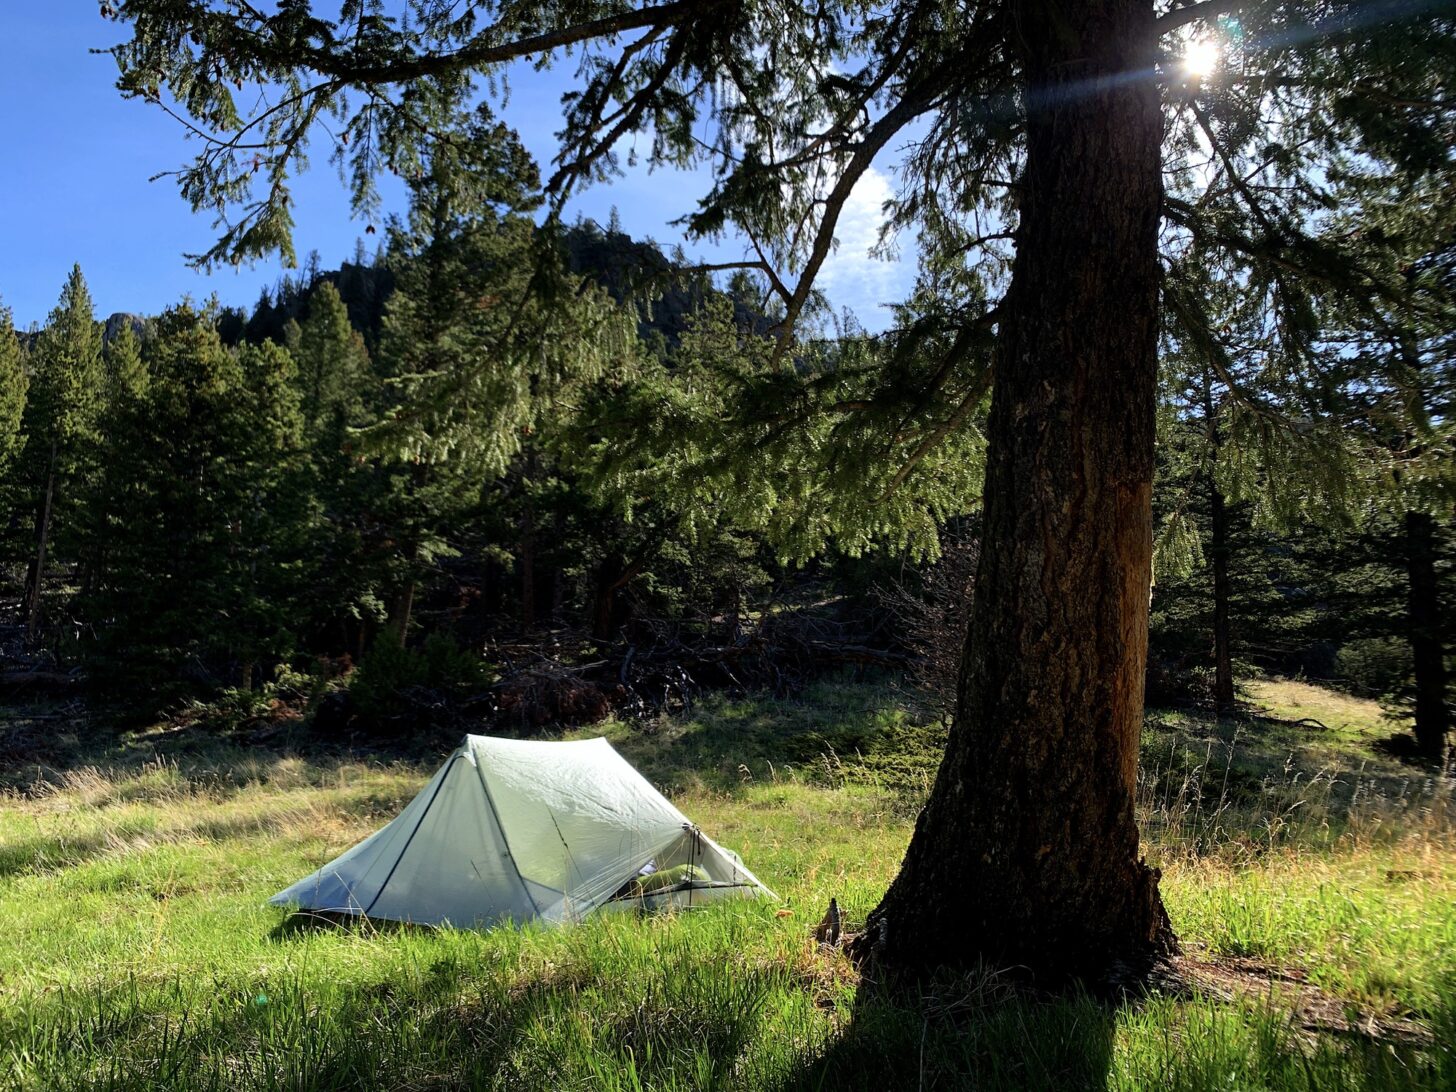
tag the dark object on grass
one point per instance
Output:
(827, 932)
(1407, 748)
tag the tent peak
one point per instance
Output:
(536, 743)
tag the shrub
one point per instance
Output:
(1174, 684)
(1375, 666)
(933, 618)
(392, 678)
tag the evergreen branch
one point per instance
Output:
(904, 112)
(950, 424)
(762, 265)
(1181, 17)
(483, 51)
(630, 116)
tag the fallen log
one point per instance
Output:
(38, 679)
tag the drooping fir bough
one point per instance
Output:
(1054, 157)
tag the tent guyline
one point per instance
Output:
(521, 830)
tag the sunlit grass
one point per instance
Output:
(1348, 717)
(137, 952)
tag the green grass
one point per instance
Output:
(136, 951)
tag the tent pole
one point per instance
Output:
(418, 823)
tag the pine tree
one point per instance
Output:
(486, 332)
(67, 392)
(91, 534)
(203, 518)
(13, 386)
(1282, 458)
(339, 394)
(126, 374)
(1402, 397)
(333, 364)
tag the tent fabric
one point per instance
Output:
(515, 830)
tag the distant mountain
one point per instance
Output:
(631, 271)
(120, 321)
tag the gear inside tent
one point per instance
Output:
(517, 830)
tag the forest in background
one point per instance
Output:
(331, 507)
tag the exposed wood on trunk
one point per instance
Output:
(1424, 610)
(1027, 855)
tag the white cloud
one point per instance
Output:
(851, 277)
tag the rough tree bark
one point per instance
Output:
(1026, 854)
(1424, 612)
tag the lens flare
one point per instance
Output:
(1201, 58)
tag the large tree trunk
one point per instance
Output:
(1026, 854)
(1423, 605)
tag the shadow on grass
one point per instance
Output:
(836, 730)
(1004, 1040)
(302, 923)
(833, 733)
(627, 1013)
(970, 1034)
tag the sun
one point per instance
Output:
(1201, 58)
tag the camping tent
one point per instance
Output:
(516, 830)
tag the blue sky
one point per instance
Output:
(74, 186)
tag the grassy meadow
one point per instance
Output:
(1311, 875)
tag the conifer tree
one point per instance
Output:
(13, 386)
(338, 394)
(203, 519)
(333, 364)
(126, 373)
(67, 392)
(1242, 425)
(126, 376)
(486, 332)
(1402, 403)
